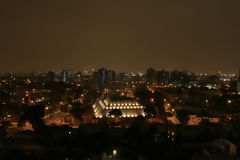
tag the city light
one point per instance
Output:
(114, 152)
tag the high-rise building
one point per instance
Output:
(64, 76)
(111, 75)
(105, 77)
(179, 77)
(102, 77)
(123, 76)
(151, 75)
(51, 76)
(238, 82)
(162, 76)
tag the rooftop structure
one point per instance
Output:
(128, 108)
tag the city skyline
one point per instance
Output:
(121, 35)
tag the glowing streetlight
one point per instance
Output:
(114, 152)
(152, 100)
(229, 101)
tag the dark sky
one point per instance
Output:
(124, 35)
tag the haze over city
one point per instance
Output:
(199, 36)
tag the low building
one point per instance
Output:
(195, 120)
(128, 108)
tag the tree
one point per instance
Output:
(34, 114)
(183, 115)
(3, 128)
(143, 95)
(115, 113)
(150, 100)
(76, 112)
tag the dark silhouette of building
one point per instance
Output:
(123, 76)
(105, 77)
(102, 77)
(162, 76)
(238, 82)
(111, 76)
(151, 75)
(51, 76)
(179, 77)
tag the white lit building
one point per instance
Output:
(129, 108)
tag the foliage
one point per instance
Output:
(115, 112)
(183, 115)
(145, 98)
(77, 111)
(34, 114)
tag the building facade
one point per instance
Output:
(195, 120)
(128, 108)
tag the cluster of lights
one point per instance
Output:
(106, 105)
(130, 115)
(102, 105)
(96, 112)
(123, 104)
(126, 107)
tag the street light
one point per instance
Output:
(229, 101)
(114, 152)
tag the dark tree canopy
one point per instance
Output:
(183, 115)
(34, 114)
(115, 112)
(145, 96)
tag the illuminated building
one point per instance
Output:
(128, 108)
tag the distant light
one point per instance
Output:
(114, 152)
(229, 101)
(152, 100)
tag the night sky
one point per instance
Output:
(124, 35)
